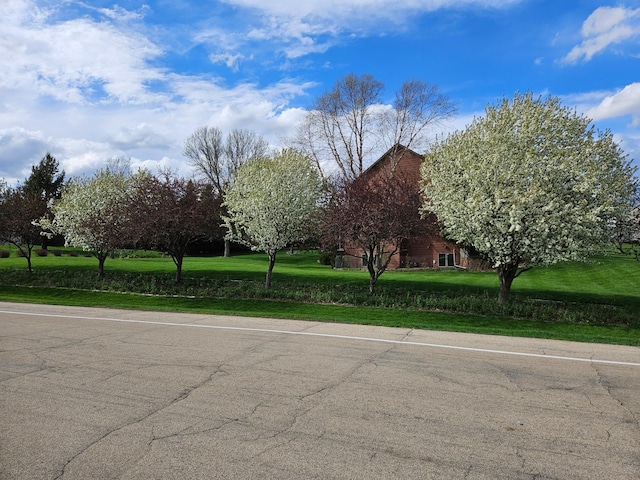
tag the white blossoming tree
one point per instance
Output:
(530, 183)
(92, 214)
(272, 202)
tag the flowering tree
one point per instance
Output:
(271, 203)
(376, 215)
(530, 183)
(92, 214)
(173, 213)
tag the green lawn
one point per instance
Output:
(597, 301)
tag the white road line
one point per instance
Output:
(328, 335)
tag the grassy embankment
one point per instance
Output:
(595, 302)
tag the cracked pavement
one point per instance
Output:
(83, 395)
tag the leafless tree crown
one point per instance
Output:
(349, 123)
(217, 157)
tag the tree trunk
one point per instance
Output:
(272, 262)
(372, 284)
(178, 261)
(372, 273)
(101, 259)
(227, 248)
(28, 257)
(506, 274)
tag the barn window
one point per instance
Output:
(446, 260)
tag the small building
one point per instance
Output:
(428, 251)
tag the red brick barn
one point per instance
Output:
(427, 251)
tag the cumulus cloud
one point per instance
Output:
(85, 85)
(76, 60)
(621, 103)
(606, 26)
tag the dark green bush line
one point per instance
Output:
(461, 301)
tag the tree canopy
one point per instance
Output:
(92, 213)
(19, 209)
(271, 203)
(173, 213)
(530, 183)
(45, 180)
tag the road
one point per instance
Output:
(104, 394)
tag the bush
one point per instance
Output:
(326, 258)
(41, 252)
(5, 253)
(20, 253)
(57, 253)
(73, 253)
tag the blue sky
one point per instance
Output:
(88, 81)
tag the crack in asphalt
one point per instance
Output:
(607, 387)
(185, 393)
(370, 360)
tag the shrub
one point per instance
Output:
(41, 252)
(20, 253)
(73, 253)
(5, 253)
(326, 258)
(57, 253)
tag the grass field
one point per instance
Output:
(598, 301)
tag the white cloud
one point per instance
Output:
(230, 60)
(621, 103)
(121, 14)
(79, 87)
(359, 8)
(305, 27)
(76, 60)
(606, 26)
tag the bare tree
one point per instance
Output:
(349, 124)
(242, 146)
(417, 108)
(217, 158)
(205, 151)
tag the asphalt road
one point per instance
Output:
(105, 394)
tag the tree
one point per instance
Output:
(45, 182)
(19, 209)
(271, 202)
(217, 158)
(349, 123)
(530, 183)
(375, 214)
(174, 213)
(45, 179)
(627, 227)
(92, 213)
